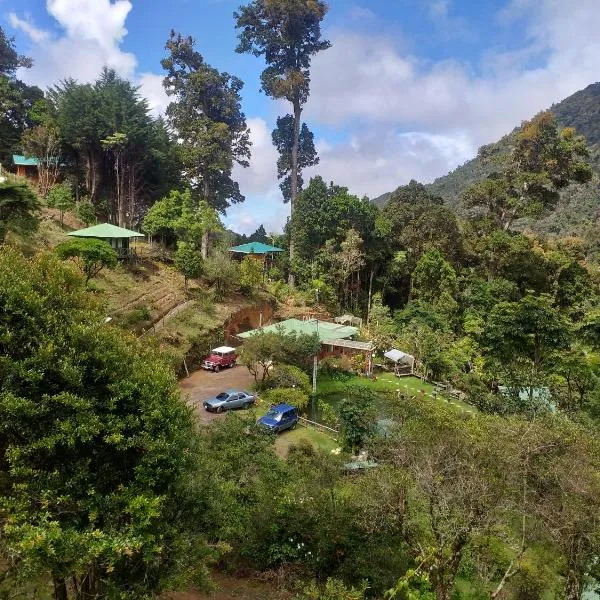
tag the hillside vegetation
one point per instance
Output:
(578, 207)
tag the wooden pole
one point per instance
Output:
(314, 378)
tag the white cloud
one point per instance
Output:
(376, 159)
(92, 31)
(361, 13)
(91, 35)
(264, 202)
(25, 25)
(369, 85)
(151, 87)
(261, 175)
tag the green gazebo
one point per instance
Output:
(117, 237)
(257, 250)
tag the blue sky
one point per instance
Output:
(409, 89)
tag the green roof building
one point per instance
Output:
(325, 330)
(255, 248)
(117, 237)
(24, 161)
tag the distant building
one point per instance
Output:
(117, 237)
(26, 166)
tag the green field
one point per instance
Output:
(333, 390)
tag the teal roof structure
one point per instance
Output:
(105, 231)
(255, 248)
(325, 330)
(24, 161)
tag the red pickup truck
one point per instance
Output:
(219, 358)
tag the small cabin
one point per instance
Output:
(26, 166)
(118, 237)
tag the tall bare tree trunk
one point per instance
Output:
(60, 589)
(294, 184)
(206, 233)
(371, 275)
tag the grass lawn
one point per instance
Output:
(284, 440)
(385, 382)
(333, 390)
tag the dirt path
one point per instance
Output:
(201, 385)
(228, 587)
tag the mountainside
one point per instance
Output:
(579, 206)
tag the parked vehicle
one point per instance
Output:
(219, 358)
(228, 400)
(279, 418)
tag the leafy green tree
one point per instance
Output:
(138, 148)
(326, 212)
(357, 417)
(264, 351)
(86, 212)
(197, 222)
(162, 216)
(288, 34)
(188, 261)
(60, 196)
(521, 339)
(575, 377)
(433, 278)
(206, 115)
(574, 289)
(90, 255)
(222, 273)
(43, 142)
(543, 161)
(283, 140)
(251, 273)
(17, 99)
(18, 209)
(97, 452)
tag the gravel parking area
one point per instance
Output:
(201, 385)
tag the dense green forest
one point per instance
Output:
(475, 476)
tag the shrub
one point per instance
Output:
(60, 197)
(251, 274)
(288, 376)
(188, 262)
(137, 315)
(222, 273)
(292, 396)
(91, 255)
(326, 415)
(333, 589)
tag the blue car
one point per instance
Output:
(279, 418)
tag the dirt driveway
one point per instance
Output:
(201, 385)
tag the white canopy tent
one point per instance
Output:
(401, 358)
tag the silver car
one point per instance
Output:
(228, 400)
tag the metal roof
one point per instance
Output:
(106, 230)
(25, 161)
(325, 330)
(223, 349)
(366, 346)
(255, 248)
(398, 356)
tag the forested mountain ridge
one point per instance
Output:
(578, 206)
